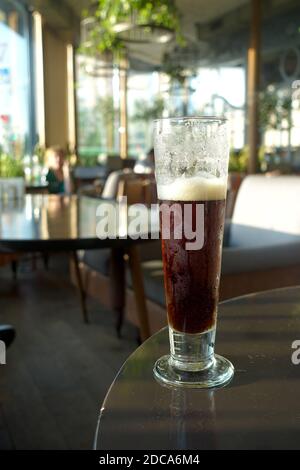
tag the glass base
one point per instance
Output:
(218, 374)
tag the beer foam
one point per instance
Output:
(196, 188)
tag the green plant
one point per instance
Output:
(145, 111)
(87, 160)
(103, 36)
(10, 167)
(275, 106)
(238, 160)
(176, 72)
(107, 109)
(40, 151)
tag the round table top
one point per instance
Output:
(53, 222)
(259, 409)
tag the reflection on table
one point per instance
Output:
(61, 218)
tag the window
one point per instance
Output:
(16, 135)
(145, 102)
(98, 110)
(221, 91)
(211, 91)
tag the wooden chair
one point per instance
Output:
(110, 263)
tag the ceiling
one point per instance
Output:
(63, 13)
(211, 27)
(191, 11)
(64, 17)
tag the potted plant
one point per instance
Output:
(12, 182)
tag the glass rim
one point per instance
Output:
(221, 119)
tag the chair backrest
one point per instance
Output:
(137, 188)
(112, 185)
(114, 163)
(128, 163)
(140, 190)
(87, 175)
(267, 211)
(234, 183)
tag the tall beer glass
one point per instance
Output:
(191, 165)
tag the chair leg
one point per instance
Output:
(14, 268)
(80, 287)
(120, 321)
(138, 288)
(117, 286)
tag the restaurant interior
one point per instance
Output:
(84, 87)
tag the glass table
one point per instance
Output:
(259, 409)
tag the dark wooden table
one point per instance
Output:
(259, 409)
(52, 223)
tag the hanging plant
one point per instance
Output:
(176, 72)
(104, 28)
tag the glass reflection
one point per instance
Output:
(190, 428)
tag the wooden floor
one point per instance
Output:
(58, 369)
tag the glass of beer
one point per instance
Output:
(191, 166)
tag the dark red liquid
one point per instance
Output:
(192, 277)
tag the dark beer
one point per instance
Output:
(192, 276)
(191, 167)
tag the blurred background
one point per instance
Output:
(91, 76)
(81, 82)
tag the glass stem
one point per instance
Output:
(192, 352)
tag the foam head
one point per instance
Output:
(196, 188)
